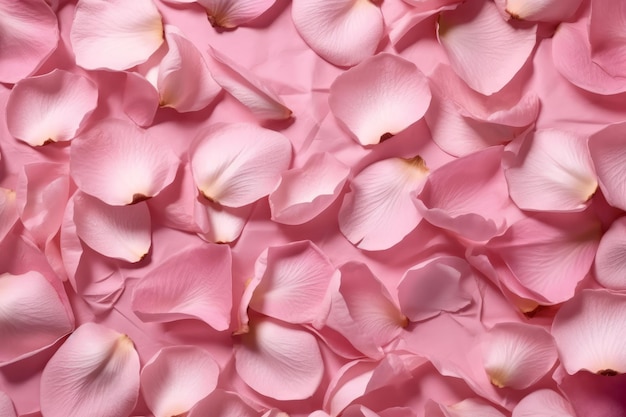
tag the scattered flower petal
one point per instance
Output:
(229, 14)
(610, 261)
(543, 403)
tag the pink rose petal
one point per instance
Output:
(6, 406)
(610, 261)
(471, 407)
(539, 10)
(232, 13)
(609, 155)
(8, 211)
(543, 403)
(222, 403)
(607, 35)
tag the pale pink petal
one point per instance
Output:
(232, 13)
(248, 88)
(120, 163)
(202, 288)
(343, 32)
(380, 97)
(176, 378)
(120, 232)
(115, 34)
(221, 224)
(8, 211)
(183, 62)
(303, 193)
(291, 281)
(590, 333)
(29, 33)
(610, 261)
(517, 355)
(471, 407)
(141, 99)
(279, 361)
(379, 211)
(94, 373)
(51, 107)
(42, 194)
(539, 10)
(484, 50)
(547, 255)
(237, 164)
(543, 403)
(552, 171)
(6, 406)
(607, 35)
(222, 403)
(32, 316)
(468, 195)
(433, 287)
(609, 157)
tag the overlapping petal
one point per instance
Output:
(95, 372)
(237, 164)
(379, 211)
(51, 107)
(543, 403)
(8, 211)
(120, 163)
(221, 224)
(609, 154)
(222, 403)
(229, 14)
(176, 378)
(484, 50)
(539, 10)
(115, 34)
(6, 406)
(607, 36)
(343, 32)
(610, 261)
(381, 96)
(471, 407)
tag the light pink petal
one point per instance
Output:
(468, 195)
(607, 35)
(6, 406)
(343, 32)
(539, 10)
(379, 211)
(8, 211)
(543, 403)
(552, 171)
(291, 283)
(303, 193)
(517, 355)
(120, 163)
(42, 194)
(32, 316)
(380, 97)
(51, 107)
(120, 232)
(248, 88)
(232, 13)
(609, 157)
(29, 33)
(202, 288)
(484, 50)
(94, 373)
(221, 224)
(222, 403)
(610, 261)
(141, 99)
(547, 255)
(115, 34)
(434, 287)
(176, 378)
(279, 362)
(183, 62)
(471, 407)
(571, 54)
(590, 333)
(237, 164)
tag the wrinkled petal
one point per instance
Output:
(6, 406)
(552, 171)
(121, 164)
(343, 32)
(517, 355)
(202, 288)
(95, 372)
(484, 50)
(609, 157)
(232, 13)
(279, 362)
(471, 407)
(237, 164)
(120, 232)
(32, 316)
(539, 10)
(51, 107)
(610, 261)
(381, 96)
(115, 34)
(379, 211)
(183, 62)
(543, 403)
(176, 378)
(222, 403)
(29, 33)
(305, 192)
(590, 333)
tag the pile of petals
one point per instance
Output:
(312, 208)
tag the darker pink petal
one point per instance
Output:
(50, 108)
(606, 36)
(609, 157)
(232, 13)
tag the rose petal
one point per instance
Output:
(8, 211)
(610, 261)
(222, 403)
(141, 99)
(221, 224)
(543, 403)
(539, 10)
(607, 35)
(609, 155)
(6, 406)
(469, 408)
(232, 13)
